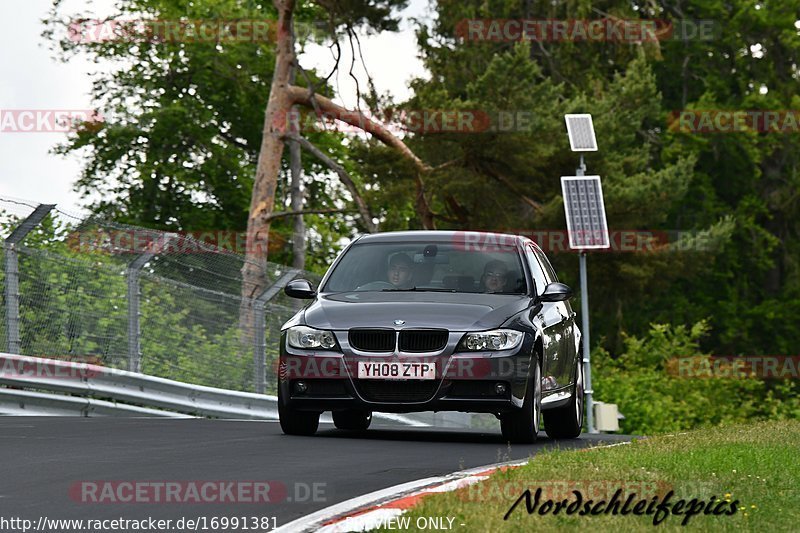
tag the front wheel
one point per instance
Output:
(566, 422)
(352, 419)
(294, 422)
(522, 426)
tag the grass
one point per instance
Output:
(755, 465)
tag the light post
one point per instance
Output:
(587, 229)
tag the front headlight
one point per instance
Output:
(498, 339)
(308, 338)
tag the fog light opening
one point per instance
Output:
(500, 389)
(301, 387)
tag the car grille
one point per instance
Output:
(397, 391)
(372, 340)
(423, 340)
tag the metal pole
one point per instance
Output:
(259, 348)
(260, 333)
(587, 366)
(12, 299)
(134, 329)
(14, 344)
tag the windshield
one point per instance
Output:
(425, 266)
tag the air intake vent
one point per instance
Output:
(372, 340)
(423, 340)
(397, 391)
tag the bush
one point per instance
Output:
(651, 395)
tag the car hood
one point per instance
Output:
(452, 311)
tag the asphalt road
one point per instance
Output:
(55, 467)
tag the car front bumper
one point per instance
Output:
(480, 382)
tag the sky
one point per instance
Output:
(32, 79)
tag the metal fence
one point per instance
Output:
(164, 304)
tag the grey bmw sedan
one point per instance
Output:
(434, 321)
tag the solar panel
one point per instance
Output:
(586, 213)
(580, 129)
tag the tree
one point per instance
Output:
(506, 175)
(282, 96)
(178, 145)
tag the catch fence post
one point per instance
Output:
(259, 329)
(134, 313)
(14, 344)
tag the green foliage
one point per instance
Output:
(74, 306)
(646, 383)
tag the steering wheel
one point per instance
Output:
(375, 286)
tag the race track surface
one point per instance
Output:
(48, 462)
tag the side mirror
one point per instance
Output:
(300, 288)
(556, 292)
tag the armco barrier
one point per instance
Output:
(87, 380)
(29, 403)
(88, 390)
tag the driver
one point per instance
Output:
(400, 271)
(495, 275)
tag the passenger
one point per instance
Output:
(400, 271)
(495, 276)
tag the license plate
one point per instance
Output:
(396, 370)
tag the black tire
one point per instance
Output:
(352, 419)
(566, 422)
(522, 426)
(295, 422)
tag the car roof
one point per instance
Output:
(440, 236)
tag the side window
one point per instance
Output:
(536, 270)
(549, 271)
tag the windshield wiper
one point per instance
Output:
(419, 289)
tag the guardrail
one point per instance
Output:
(29, 403)
(121, 386)
(93, 390)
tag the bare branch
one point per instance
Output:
(300, 95)
(445, 165)
(516, 190)
(423, 207)
(461, 212)
(282, 214)
(361, 55)
(337, 55)
(363, 209)
(352, 66)
(311, 90)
